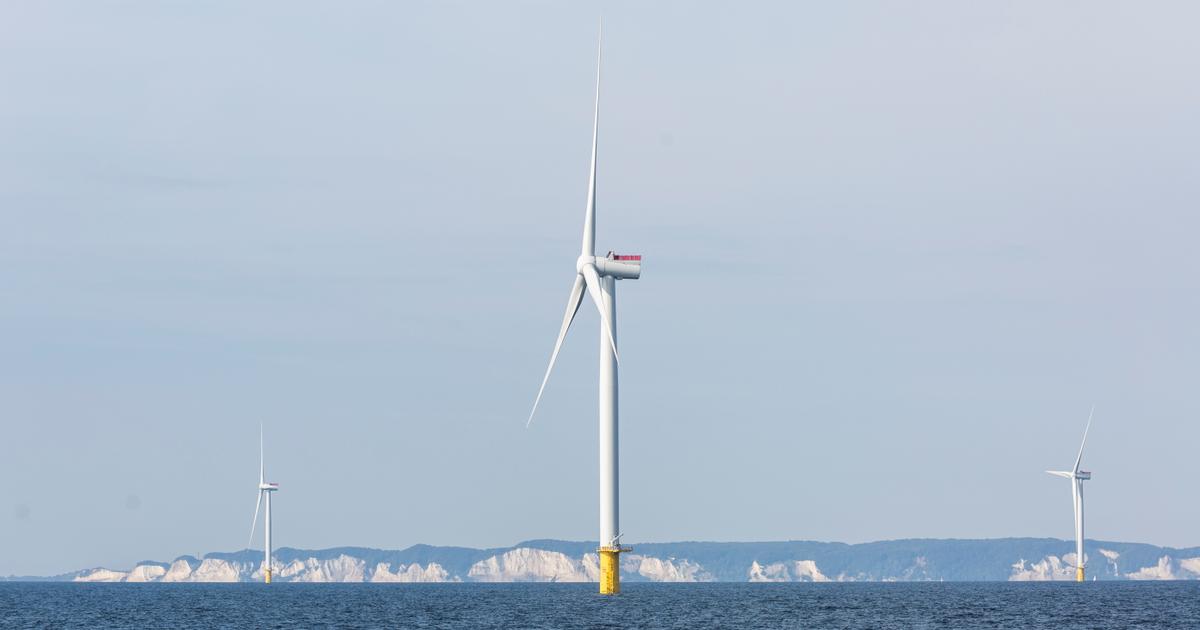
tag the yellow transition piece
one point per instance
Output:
(268, 576)
(1078, 574)
(610, 570)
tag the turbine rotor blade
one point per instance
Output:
(1061, 473)
(573, 302)
(254, 523)
(1085, 432)
(589, 217)
(262, 462)
(593, 286)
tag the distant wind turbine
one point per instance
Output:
(264, 488)
(599, 275)
(1077, 478)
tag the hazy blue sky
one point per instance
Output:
(894, 251)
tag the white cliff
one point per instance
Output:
(534, 565)
(180, 571)
(1111, 557)
(101, 575)
(1047, 569)
(918, 571)
(669, 570)
(1169, 568)
(1190, 567)
(793, 571)
(215, 570)
(343, 568)
(146, 573)
(432, 572)
(1164, 570)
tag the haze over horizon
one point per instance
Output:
(892, 256)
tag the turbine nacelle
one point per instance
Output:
(1082, 475)
(619, 266)
(268, 486)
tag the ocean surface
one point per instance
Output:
(641, 605)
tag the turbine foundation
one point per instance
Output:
(1078, 574)
(610, 570)
(267, 579)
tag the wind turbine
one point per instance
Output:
(264, 488)
(1077, 478)
(598, 275)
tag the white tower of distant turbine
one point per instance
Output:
(264, 489)
(1077, 478)
(598, 274)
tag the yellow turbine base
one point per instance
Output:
(1078, 574)
(268, 578)
(610, 570)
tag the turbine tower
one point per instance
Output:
(264, 488)
(1077, 478)
(598, 275)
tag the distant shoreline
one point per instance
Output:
(905, 560)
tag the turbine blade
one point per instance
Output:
(593, 286)
(589, 217)
(254, 523)
(1085, 432)
(262, 463)
(1061, 473)
(573, 303)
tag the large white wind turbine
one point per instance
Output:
(1077, 478)
(264, 488)
(598, 275)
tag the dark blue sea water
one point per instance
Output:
(904, 605)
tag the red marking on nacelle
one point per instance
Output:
(627, 256)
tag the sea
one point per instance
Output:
(640, 605)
